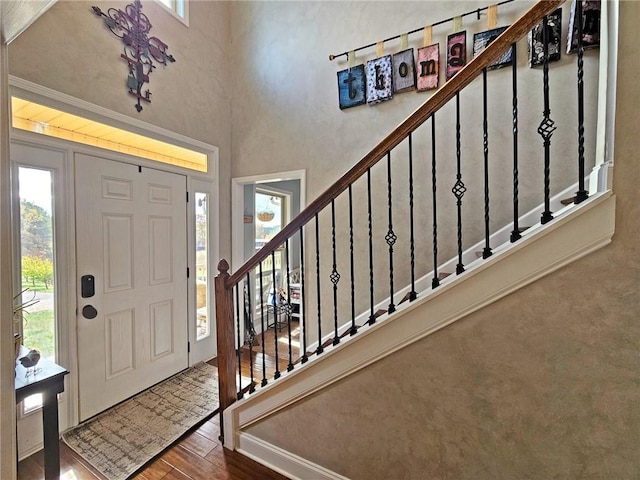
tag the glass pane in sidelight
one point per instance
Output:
(203, 323)
(35, 306)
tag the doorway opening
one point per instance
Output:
(271, 208)
(262, 206)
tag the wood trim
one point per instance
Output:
(7, 357)
(464, 77)
(225, 339)
(61, 101)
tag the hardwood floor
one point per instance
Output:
(267, 364)
(198, 455)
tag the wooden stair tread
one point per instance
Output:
(407, 297)
(327, 343)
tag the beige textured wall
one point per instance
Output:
(69, 49)
(286, 117)
(542, 384)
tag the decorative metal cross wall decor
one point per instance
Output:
(132, 26)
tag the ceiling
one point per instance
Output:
(17, 15)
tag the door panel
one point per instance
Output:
(117, 252)
(120, 341)
(131, 235)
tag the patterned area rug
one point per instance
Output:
(121, 440)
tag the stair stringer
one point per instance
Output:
(589, 226)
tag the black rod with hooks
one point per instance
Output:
(471, 12)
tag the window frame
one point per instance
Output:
(177, 8)
(56, 162)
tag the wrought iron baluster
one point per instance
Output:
(354, 329)
(412, 253)
(238, 346)
(435, 281)
(276, 312)
(303, 324)
(372, 316)
(458, 188)
(335, 276)
(581, 194)
(486, 253)
(287, 305)
(249, 319)
(390, 237)
(320, 348)
(263, 327)
(515, 234)
(547, 126)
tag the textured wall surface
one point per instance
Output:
(286, 117)
(70, 50)
(542, 384)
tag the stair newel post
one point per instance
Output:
(547, 126)
(458, 188)
(515, 234)
(581, 194)
(225, 340)
(486, 253)
(435, 281)
(236, 288)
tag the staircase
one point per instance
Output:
(366, 296)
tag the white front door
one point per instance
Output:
(132, 279)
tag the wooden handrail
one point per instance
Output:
(463, 78)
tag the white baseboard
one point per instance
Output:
(282, 461)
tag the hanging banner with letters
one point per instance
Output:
(456, 53)
(352, 86)
(379, 80)
(428, 67)
(404, 71)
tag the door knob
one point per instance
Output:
(89, 311)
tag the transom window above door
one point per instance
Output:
(44, 120)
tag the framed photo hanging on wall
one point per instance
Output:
(482, 39)
(590, 25)
(536, 40)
